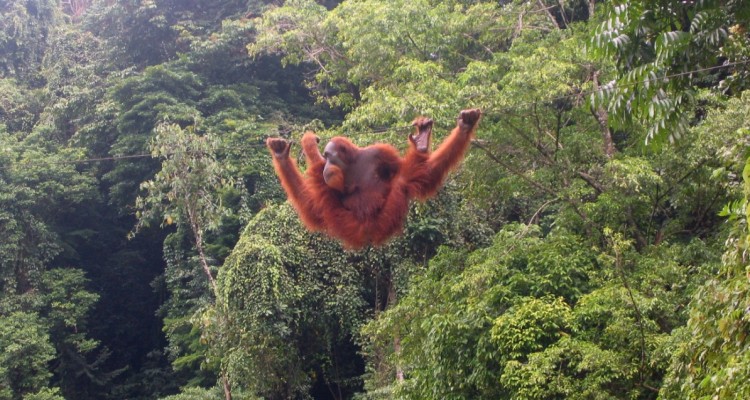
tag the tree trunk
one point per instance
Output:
(549, 14)
(396, 337)
(198, 235)
(227, 389)
(603, 118)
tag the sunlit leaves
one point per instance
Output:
(632, 175)
(462, 319)
(196, 393)
(258, 302)
(384, 60)
(571, 369)
(189, 182)
(531, 325)
(711, 360)
(662, 49)
(280, 305)
(299, 32)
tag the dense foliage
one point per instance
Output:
(594, 245)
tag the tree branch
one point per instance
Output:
(603, 119)
(572, 202)
(591, 181)
(549, 14)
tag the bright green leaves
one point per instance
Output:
(737, 51)
(195, 393)
(258, 304)
(580, 305)
(299, 32)
(187, 190)
(531, 325)
(570, 369)
(732, 172)
(189, 182)
(255, 271)
(45, 394)
(25, 351)
(538, 317)
(538, 71)
(557, 265)
(63, 292)
(408, 57)
(291, 303)
(383, 59)
(662, 50)
(668, 45)
(464, 319)
(712, 358)
(632, 175)
(738, 213)
(283, 295)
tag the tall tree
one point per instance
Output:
(187, 188)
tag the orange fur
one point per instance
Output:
(366, 199)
